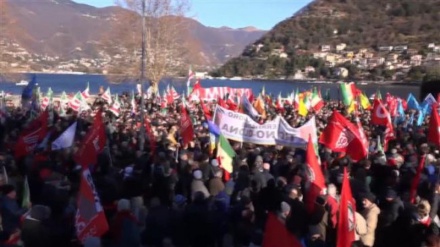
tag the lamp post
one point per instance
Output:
(142, 80)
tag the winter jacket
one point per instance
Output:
(198, 185)
(371, 215)
(361, 226)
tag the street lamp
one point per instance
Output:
(142, 80)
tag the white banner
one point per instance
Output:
(240, 127)
(213, 93)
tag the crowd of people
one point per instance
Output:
(178, 195)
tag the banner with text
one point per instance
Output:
(213, 93)
(240, 127)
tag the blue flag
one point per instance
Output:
(213, 128)
(29, 89)
(400, 112)
(411, 119)
(412, 102)
(426, 104)
(420, 118)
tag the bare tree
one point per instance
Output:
(164, 30)
(4, 21)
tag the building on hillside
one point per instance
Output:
(319, 54)
(363, 50)
(411, 52)
(341, 47)
(341, 72)
(385, 48)
(349, 54)
(283, 55)
(332, 57)
(416, 60)
(299, 75)
(200, 75)
(276, 52)
(326, 48)
(309, 69)
(392, 58)
(258, 47)
(400, 48)
(389, 66)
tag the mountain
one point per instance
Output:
(358, 24)
(69, 30)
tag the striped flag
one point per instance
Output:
(347, 93)
(107, 96)
(86, 92)
(116, 107)
(47, 100)
(75, 102)
(225, 154)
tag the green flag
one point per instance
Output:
(378, 94)
(379, 145)
(225, 153)
(26, 201)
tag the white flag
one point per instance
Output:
(65, 140)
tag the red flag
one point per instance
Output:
(90, 220)
(222, 103)
(231, 105)
(404, 104)
(92, 144)
(197, 86)
(206, 110)
(151, 137)
(346, 220)
(434, 127)
(315, 177)
(416, 180)
(380, 115)
(389, 135)
(279, 106)
(186, 127)
(340, 135)
(32, 135)
(276, 234)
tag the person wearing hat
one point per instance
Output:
(371, 214)
(216, 184)
(197, 184)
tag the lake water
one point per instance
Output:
(73, 83)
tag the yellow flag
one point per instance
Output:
(302, 108)
(352, 107)
(365, 102)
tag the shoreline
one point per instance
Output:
(311, 81)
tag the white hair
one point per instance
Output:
(123, 205)
(331, 190)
